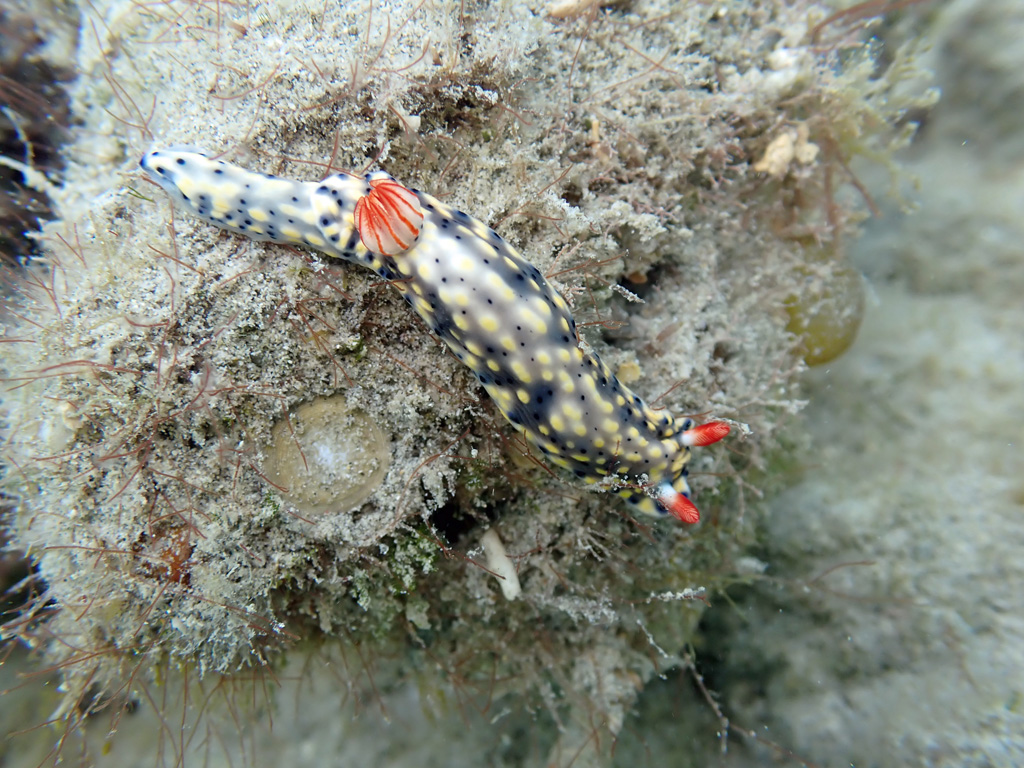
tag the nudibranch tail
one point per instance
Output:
(388, 218)
(494, 310)
(261, 206)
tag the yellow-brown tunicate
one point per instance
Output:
(331, 458)
(827, 315)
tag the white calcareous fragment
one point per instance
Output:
(499, 563)
(787, 147)
(568, 9)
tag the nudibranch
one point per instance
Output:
(493, 309)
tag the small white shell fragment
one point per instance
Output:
(499, 563)
(567, 9)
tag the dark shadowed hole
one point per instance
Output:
(452, 523)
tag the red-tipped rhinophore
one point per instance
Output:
(388, 218)
(678, 505)
(705, 434)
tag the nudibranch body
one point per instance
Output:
(493, 309)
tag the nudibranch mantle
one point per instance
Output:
(493, 309)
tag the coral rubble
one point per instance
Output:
(151, 360)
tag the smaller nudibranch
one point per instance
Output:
(493, 309)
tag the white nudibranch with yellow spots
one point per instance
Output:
(493, 309)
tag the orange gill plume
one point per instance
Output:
(388, 218)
